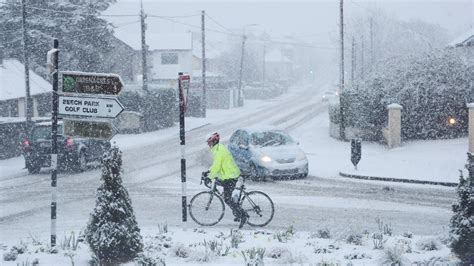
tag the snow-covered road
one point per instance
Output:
(151, 173)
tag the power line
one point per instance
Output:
(217, 23)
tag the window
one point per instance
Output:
(169, 58)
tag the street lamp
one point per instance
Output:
(240, 101)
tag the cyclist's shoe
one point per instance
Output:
(243, 220)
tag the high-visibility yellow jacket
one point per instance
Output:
(224, 166)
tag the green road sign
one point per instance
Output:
(91, 83)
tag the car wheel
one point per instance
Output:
(253, 173)
(81, 162)
(33, 169)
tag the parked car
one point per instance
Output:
(73, 153)
(327, 95)
(267, 152)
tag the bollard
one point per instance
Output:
(356, 151)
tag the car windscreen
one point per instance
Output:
(270, 138)
(44, 132)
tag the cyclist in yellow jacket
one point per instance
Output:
(226, 170)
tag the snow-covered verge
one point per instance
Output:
(218, 246)
(429, 160)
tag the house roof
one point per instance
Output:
(157, 41)
(12, 81)
(466, 39)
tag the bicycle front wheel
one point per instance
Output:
(206, 208)
(259, 207)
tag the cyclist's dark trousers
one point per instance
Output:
(229, 186)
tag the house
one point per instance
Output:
(278, 67)
(170, 54)
(12, 90)
(465, 44)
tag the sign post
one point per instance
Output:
(52, 59)
(183, 85)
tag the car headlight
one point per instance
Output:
(301, 156)
(266, 159)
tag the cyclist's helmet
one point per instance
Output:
(213, 139)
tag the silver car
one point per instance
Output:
(267, 152)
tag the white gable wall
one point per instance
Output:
(161, 71)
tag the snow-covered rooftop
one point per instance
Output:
(12, 81)
(465, 39)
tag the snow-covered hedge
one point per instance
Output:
(432, 88)
(159, 107)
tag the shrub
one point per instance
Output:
(112, 231)
(253, 256)
(236, 238)
(146, 260)
(10, 256)
(321, 233)
(354, 238)
(462, 222)
(428, 244)
(431, 87)
(277, 252)
(393, 255)
(378, 240)
(181, 251)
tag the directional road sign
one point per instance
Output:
(99, 107)
(91, 83)
(89, 129)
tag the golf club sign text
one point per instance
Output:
(90, 107)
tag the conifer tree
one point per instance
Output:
(462, 222)
(112, 231)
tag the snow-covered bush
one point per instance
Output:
(147, 260)
(253, 256)
(357, 256)
(11, 255)
(236, 238)
(354, 239)
(428, 244)
(181, 251)
(462, 222)
(112, 231)
(278, 252)
(323, 233)
(432, 88)
(394, 255)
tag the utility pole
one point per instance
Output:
(341, 85)
(362, 66)
(144, 50)
(203, 33)
(372, 55)
(240, 99)
(353, 59)
(28, 99)
(263, 78)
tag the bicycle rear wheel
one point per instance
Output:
(259, 207)
(206, 208)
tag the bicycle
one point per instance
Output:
(207, 208)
